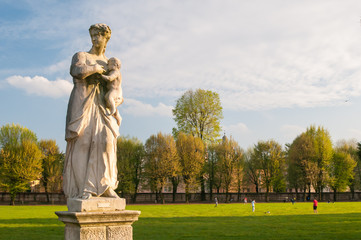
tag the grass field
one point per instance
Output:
(204, 221)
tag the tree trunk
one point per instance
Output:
(187, 192)
(47, 196)
(334, 195)
(239, 194)
(304, 193)
(210, 190)
(12, 198)
(352, 189)
(175, 186)
(226, 195)
(267, 191)
(157, 196)
(134, 197)
(162, 196)
(203, 192)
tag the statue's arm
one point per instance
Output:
(112, 76)
(80, 69)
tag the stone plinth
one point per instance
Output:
(97, 204)
(98, 219)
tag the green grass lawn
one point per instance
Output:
(204, 221)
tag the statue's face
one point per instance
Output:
(98, 39)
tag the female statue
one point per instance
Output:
(91, 133)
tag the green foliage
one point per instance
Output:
(270, 159)
(300, 162)
(161, 161)
(130, 159)
(323, 152)
(198, 113)
(341, 168)
(251, 166)
(52, 164)
(20, 159)
(229, 155)
(191, 157)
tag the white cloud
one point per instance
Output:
(256, 54)
(59, 67)
(354, 133)
(290, 132)
(237, 131)
(138, 108)
(41, 86)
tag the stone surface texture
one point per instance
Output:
(95, 211)
(95, 204)
(99, 225)
(91, 132)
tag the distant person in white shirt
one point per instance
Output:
(253, 205)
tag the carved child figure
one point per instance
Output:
(114, 96)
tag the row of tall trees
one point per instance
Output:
(23, 159)
(196, 156)
(314, 163)
(310, 162)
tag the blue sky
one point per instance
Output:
(279, 66)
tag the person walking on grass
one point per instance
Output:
(315, 203)
(253, 205)
(216, 201)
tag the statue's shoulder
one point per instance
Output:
(79, 57)
(80, 54)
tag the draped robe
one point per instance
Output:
(91, 133)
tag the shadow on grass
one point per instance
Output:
(322, 226)
(31, 228)
(338, 226)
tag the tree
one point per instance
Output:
(211, 168)
(323, 151)
(161, 162)
(239, 171)
(252, 169)
(341, 171)
(52, 164)
(300, 163)
(130, 158)
(358, 166)
(199, 113)
(270, 158)
(191, 158)
(228, 154)
(20, 159)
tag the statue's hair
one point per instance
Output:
(116, 61)
(102, 28)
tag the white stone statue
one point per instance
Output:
(114, 96)
(91, 132)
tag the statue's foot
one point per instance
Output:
(110, 193)
(86, 195)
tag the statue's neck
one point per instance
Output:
(97, 51)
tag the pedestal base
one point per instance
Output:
(98, 225)
(95, 204)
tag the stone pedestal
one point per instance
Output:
(98, 218)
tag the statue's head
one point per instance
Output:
(102, 29)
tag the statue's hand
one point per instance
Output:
(99, 69)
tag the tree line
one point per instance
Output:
(195, 155)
